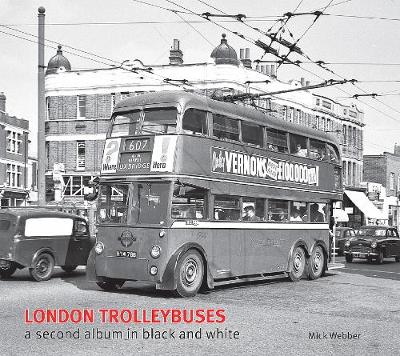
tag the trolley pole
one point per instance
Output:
(41, 148)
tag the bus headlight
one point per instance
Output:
(162, 233)
(155, 251)
(373, 244)
(153, 270)
(347, 243)
(99, 248)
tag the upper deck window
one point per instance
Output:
(226, 128)
(252, 134)
(333, 155)
(195, 122)
(159, 120)
(277, 141)
(317, 150)
(298, 145)
(125, 124)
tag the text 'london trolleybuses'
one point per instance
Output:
(232, 162)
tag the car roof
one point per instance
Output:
(341, 228)
(377, 227)
(37, 212)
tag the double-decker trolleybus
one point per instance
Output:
(195, 193)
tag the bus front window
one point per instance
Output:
(132, 204)
(159, 120)
(125, 124)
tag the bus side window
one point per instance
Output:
(195, 122)
(332, 154)
(278, 210)
(298, 211)
(298, 145)
(225, 128)
(256, 205)
(188, 202)
(317, 150)
(226, 208)
(252, 134)
(277, 141)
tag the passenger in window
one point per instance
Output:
(273, 148)
(250, 214)
(280, 216)
(301, 152)
(295, 215)
(315, 214)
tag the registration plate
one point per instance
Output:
(356, 254)
(129, 254)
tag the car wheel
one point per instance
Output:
(69, 269)
(316, 263)
(42, 267)
(110, 285)
(297, 264)
(349, 258)
(189, 274)
(397, 258)
(369, 259)
(379, 258)
(7, 268)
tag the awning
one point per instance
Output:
(365, 205)
(340, 215)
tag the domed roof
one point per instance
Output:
(224, 54)
(58, 63)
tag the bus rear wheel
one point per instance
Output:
(189, 274)
(297, 264)
(316, 263)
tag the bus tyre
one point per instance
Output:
(316, 263)
(111, 285)
(7, 268)
(349, 258)
(397, 258)
(42, 267)
(69, 269)
(189, 274)
(297, 264)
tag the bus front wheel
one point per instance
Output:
(316, 263)
(189, 274)
(298, 264)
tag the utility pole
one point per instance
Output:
(41, 149)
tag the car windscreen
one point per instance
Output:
(378, 233)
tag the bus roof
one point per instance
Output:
(203, 102)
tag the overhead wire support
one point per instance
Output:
(327, 83)
(372, 95)
(238, 17)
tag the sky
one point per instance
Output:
(363, 34)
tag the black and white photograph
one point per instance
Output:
(199, 177)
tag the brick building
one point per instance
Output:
(384, 171)
(79, 104)
(15, 182)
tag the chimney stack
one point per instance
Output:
(273, 71)
(302, 81)
(245, 57)
(2, 102)
(307, 83)
(175, 54)
(397, 149)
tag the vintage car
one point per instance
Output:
(342, 234)
(40, 239)
(374, 242)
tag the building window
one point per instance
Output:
(317, 101)
(391, 181)
(345, 134)
(80, 155)
(14, 173)
(112, 102)
(14, 142)
(81, 107)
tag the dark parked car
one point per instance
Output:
(41, 239)
(341, 236)
(374, 242)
